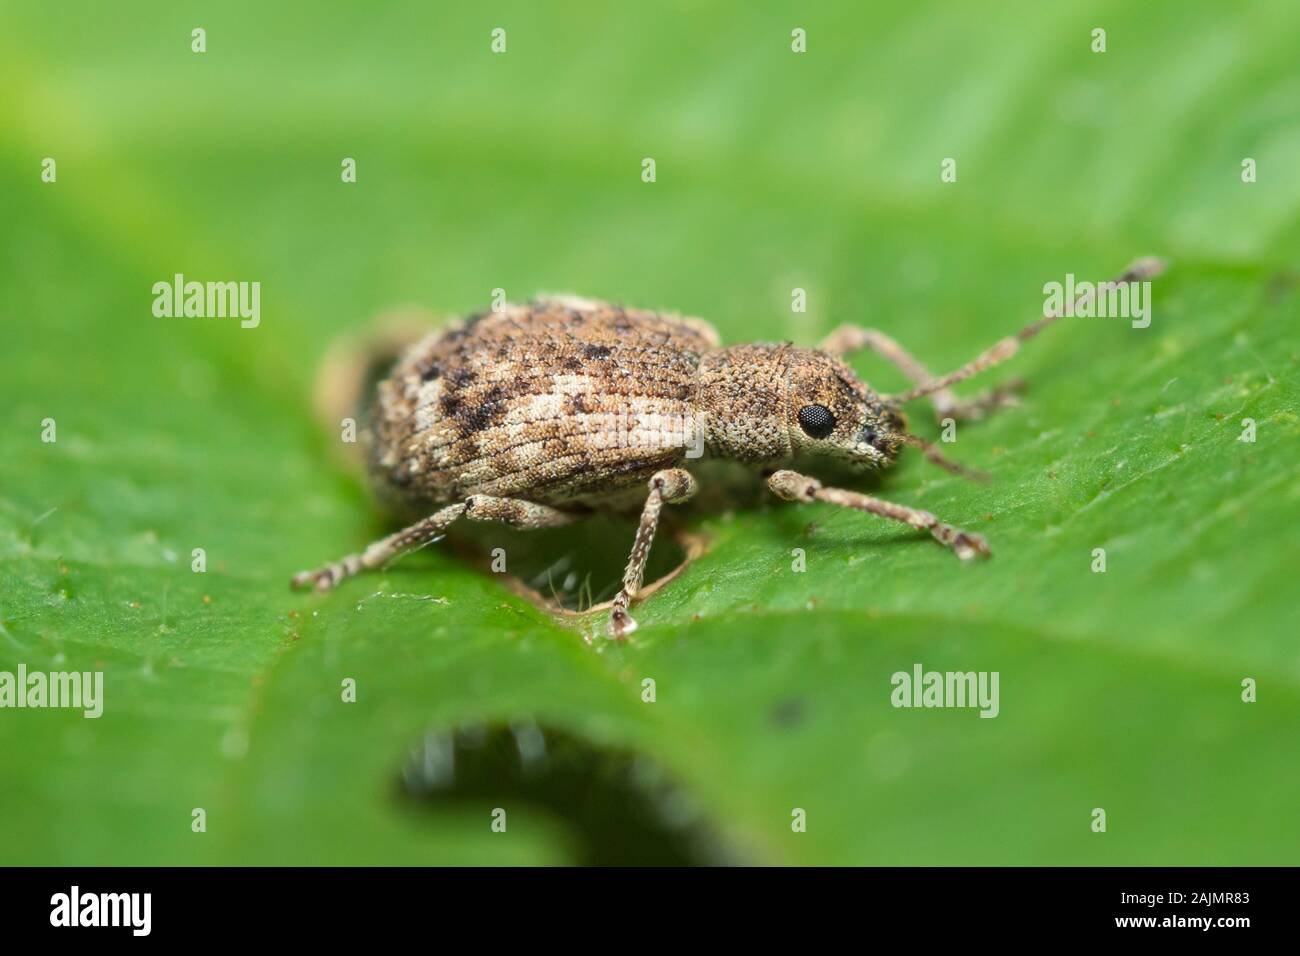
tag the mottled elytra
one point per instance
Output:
(537, 415)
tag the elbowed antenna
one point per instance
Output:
(1139, 271)
(933, 455)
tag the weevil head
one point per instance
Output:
(831, 412)
(773, 403)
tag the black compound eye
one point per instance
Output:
(816, 421)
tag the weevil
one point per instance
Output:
(537, 415)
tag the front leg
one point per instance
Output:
(792, 486)
(670, 486)
(853, 338)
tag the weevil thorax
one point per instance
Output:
(765, 404)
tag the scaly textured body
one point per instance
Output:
(534, 415)
(561, 401)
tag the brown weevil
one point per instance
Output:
(536, 415)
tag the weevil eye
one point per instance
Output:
(816, 421)
(869, 437)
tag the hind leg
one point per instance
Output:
(525, 515)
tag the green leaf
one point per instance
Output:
(1120, 690)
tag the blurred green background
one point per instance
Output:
(775, 170)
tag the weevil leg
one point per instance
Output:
(1003, 396)
(853, 338)
(525, 515)
(1138, 271)
(517, 513)
(792, 486)
(423, 531)
(670, 486)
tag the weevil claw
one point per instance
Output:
(321, 580)
(968, 546)
(621, 624)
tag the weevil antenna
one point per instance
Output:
(937, 457)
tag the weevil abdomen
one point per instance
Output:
(561, 401)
